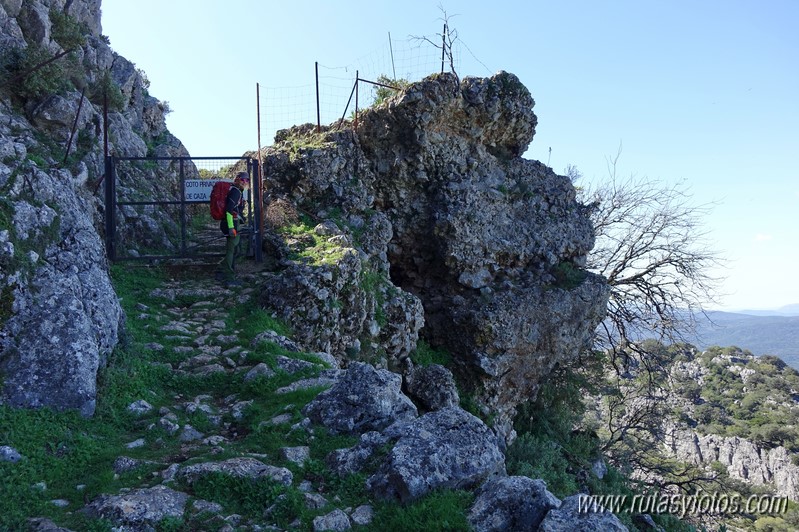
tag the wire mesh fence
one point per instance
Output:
(408, 59)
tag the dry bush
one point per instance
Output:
(280, 213)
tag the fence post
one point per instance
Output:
(110, 209)
(183, 252)
(318, 118)
(443, 46)
(74, 125)
(257, 201)
(391, 49)
(357, 82)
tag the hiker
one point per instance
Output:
(234, 212)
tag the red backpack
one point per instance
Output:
(218, 199)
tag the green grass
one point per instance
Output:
(425, 355)
(308, 247)
(443, 510)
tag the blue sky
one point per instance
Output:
(703, 93)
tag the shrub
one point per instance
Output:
(384, 93)
(66, 31)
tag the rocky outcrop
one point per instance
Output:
(59, 316)
(490, 243)
(65, 316)
(343, 306)
(743, 459)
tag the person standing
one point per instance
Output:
(229, 225)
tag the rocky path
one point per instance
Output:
(206, 433)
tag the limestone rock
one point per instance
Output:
(743, 459)
(433, 386)
(363, 399)
(139, 509)
(9, 454)
(334, 521)
(511, 504)
(466, 225)
(448, 448)
(243, 467)
(568, 518)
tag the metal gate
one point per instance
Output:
(158, 207)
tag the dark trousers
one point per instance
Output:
(231, 253)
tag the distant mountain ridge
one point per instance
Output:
(762, 334)
(787, 310)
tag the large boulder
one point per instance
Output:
(243, 467)
(511, 504)
(448, 448)
(363, 399)
(65, 315)
(572, 517)
(141, 509)
(433, 387)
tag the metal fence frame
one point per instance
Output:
(255, 232)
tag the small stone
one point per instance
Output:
(261, 370)
(335, 521)
(297, 455)
(9, 454)
(139, 407)
(135, 444)
(363, 515)
(190, 434)
(61, 503)
(314, 501)
(169, 473)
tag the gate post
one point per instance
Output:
(183, 252)
(110, 208)
(258, 211)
